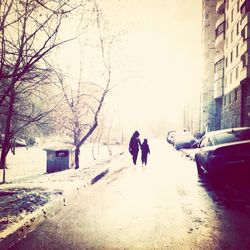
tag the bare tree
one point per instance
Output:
(105, 47)
(85, 103)
(29, 31)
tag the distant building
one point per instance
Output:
(208, 41)
(231, 70)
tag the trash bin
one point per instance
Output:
(59, 159)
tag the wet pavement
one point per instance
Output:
(162, 206)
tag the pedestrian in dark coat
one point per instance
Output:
(134, 146)
(144, 152)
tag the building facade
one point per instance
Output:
(231, 72)
(208, 41)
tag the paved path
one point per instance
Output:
(162, 206)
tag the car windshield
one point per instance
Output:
(232, 136)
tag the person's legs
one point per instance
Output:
(134, 159)
(135, 154)
(144, 159)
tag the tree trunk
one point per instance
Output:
(92, 129)
(77, 152)
(3, 162)
(7, 135)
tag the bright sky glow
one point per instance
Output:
(157, 62)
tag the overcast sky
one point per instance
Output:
(156, 62)
(162, 54)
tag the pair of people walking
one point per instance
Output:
(134, 146)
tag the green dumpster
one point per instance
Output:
(60, 158)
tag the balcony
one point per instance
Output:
(218, 88)
(245, 20)
(245, 46)
(218, 56)
(218, 75)
(219, 41)
(220, 6)
(245, 73)
(220, 20)
(244, 7)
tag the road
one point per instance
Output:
(162, 206)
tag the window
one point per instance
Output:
(244, 33)
(232, 15)
(245, 8)
(219, 65)
(237, 73)
(245, 59)
(231, 57)
(237, 28)
(229, 98)
(235, 121)
(204, 142)
(226, 61)
(232, 36)
(225, 100)
(235, 95)
(231, 77)
(206, 16)
(237, 50)
(238, 5)
(220, 29)
(232, 136)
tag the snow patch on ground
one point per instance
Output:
(29, 188)
(16, 203)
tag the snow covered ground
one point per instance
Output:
(31, 162)
(28, 186)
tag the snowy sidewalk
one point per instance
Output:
(31, 195)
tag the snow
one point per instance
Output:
(29, 188)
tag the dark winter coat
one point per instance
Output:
(134, 145)
(145, 149)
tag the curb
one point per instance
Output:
(99, 176)
(31, 221)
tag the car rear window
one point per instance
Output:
(232, 136)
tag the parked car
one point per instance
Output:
(20, 142)
(183, 140)
(224, 152)
(17, 142)
(170, 136)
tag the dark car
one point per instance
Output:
(224, 153)
(183, 140)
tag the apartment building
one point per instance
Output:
(231, 64)
(207, 116)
